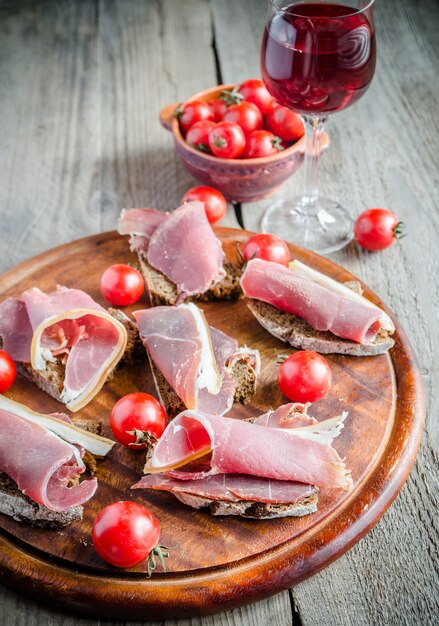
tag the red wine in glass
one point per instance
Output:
(317, 58)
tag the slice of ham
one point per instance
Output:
(323, 308)
(181, 245)
(232, 488)
(194, 359)
(240, 447)
(291, 415)
(41, 463)
(15, 329)
(140, 225)
(68, 321)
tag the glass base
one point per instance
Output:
(323, 226)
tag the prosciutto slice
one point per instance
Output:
(140, 225)
(41, 463)
(240, 447)
(194, 359)
(232, 488)
(323, 308)
(181, 245)
(42, 326)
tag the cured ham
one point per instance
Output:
(238, 447)
(40, 461)
(232, 488)
(181, 245)
(193, 358)
(316, 300)
(68, 322)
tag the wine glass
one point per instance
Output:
(316, 58)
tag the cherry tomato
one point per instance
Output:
(246, 115)
(304, 377)
(377, 229)
(255, 91)
(285, 124)
(261, 143)
(227, 140)
(8, 371)
(121, 284)
(267, 247)
(219, 107)
(137, 420)
(214, 201)
(198, 135)
(125, 533)
(193, 111)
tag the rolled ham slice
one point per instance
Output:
(323, 307)
(181, 245)
(240, 447)
(68, 321)
(231, 488)
(194, 358)
(41, 463)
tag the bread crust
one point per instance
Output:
(301, 335)
(251, 509)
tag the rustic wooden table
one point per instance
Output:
(81, 84)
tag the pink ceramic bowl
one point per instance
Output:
(240, 180)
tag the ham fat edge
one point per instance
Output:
(66, 323)
(41, 453)
(302, 454)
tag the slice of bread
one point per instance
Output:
(20, 507)
(162, 291)
(247, 508)
(241, 372)
(295, 331)
(51, 379)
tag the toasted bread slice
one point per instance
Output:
(20, 507)
(247, 508)
(162, 291)
(242, 373)
(51, 379)
(301, 335)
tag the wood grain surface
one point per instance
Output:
(81, 85)
(215, 562)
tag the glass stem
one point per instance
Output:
(314, 126)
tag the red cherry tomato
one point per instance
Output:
(246, 115)
(219, 107)
(137, 420)
(377, 229)
(121, 284)
(285, 124)
(261, 143)
(8, 371)
(255, 91)
(267, 247)
(214, 201)
(125, 533)
(193, 111)
(304, 377)
(198, 135)
(227, 140)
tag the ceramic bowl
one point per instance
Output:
(240, 180)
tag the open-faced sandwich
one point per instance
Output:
(41, 460)
(195, 366)
(311, 311)
(269, 467)
(179, 254)
(65, 342)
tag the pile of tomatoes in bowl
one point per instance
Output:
(243, 122)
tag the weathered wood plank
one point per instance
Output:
(382, 154)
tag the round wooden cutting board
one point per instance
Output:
(216, 563)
